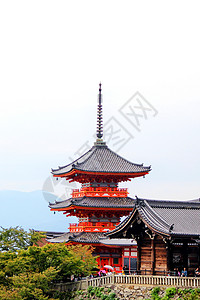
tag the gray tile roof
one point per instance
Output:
(88, 237)
(115, 202)
(184, 215)
(170, 218)
(118, 242)
(59, 239)
(50, 234)
(102, 159)
(79, 237)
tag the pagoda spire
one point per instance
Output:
(99, 115)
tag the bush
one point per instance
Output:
(112, 295)
(170, 292)
(90, 288)
(184, 294)
(155, 292)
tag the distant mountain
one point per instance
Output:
(30, 210)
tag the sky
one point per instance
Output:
(53, 55)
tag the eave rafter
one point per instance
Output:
(83, 176)
(83, 208)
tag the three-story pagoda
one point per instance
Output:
(99, 203)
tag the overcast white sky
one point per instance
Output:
(53, 55)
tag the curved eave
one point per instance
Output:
(156, 230)
(76, 171)
(118, 243)
(127, 224)
(72, 207)
(86, 243)
(123, 225)
(184, 235)
(68, 242)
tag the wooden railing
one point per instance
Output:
(140, 280)
(158, 280)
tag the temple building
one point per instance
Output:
(99, 203)
(167, 235)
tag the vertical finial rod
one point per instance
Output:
(100, 92)
(99, 115)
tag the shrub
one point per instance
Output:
(90, 288)
(112, 295)
(170, 292)
(154, 293)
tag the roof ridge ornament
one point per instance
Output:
(139, 202)
(171, 227)
(99, 140)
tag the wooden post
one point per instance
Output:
(169, 256)
(152, 256)
(138, 255)
(198, 254)
(185, 254)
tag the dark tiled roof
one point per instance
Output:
(102, 159)
(152, 218)
(53, 234)
(119, 228)
(79, 237)
(50, 234)
(115, 202)
(184, 215)
(88, 237)
(59, 239)
(172, 218)
(119, 242)
(174, 204)
(61, 204)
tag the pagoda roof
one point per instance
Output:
(100, 159)
(118, 242)
(79, 237)
(89, 238)
(102, 202)
(169, 218)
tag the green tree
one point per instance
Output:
(29, 286)
(28, 274)
(67, 260)
(84, 253)
(16, 238)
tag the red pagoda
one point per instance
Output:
(99, 204)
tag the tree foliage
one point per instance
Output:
(16, 238)
(27, 274)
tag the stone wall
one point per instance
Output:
(130, 292)
(127, 292)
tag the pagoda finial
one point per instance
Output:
(99, 115)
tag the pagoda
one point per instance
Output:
(99, 203)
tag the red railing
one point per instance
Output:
(100, 192)
(91, 227)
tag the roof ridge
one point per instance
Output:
(89, 155)
(60, 168)
(155, 217)
(193, 201)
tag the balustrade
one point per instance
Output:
(100, 192)
(139, 280)
(90, 227)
